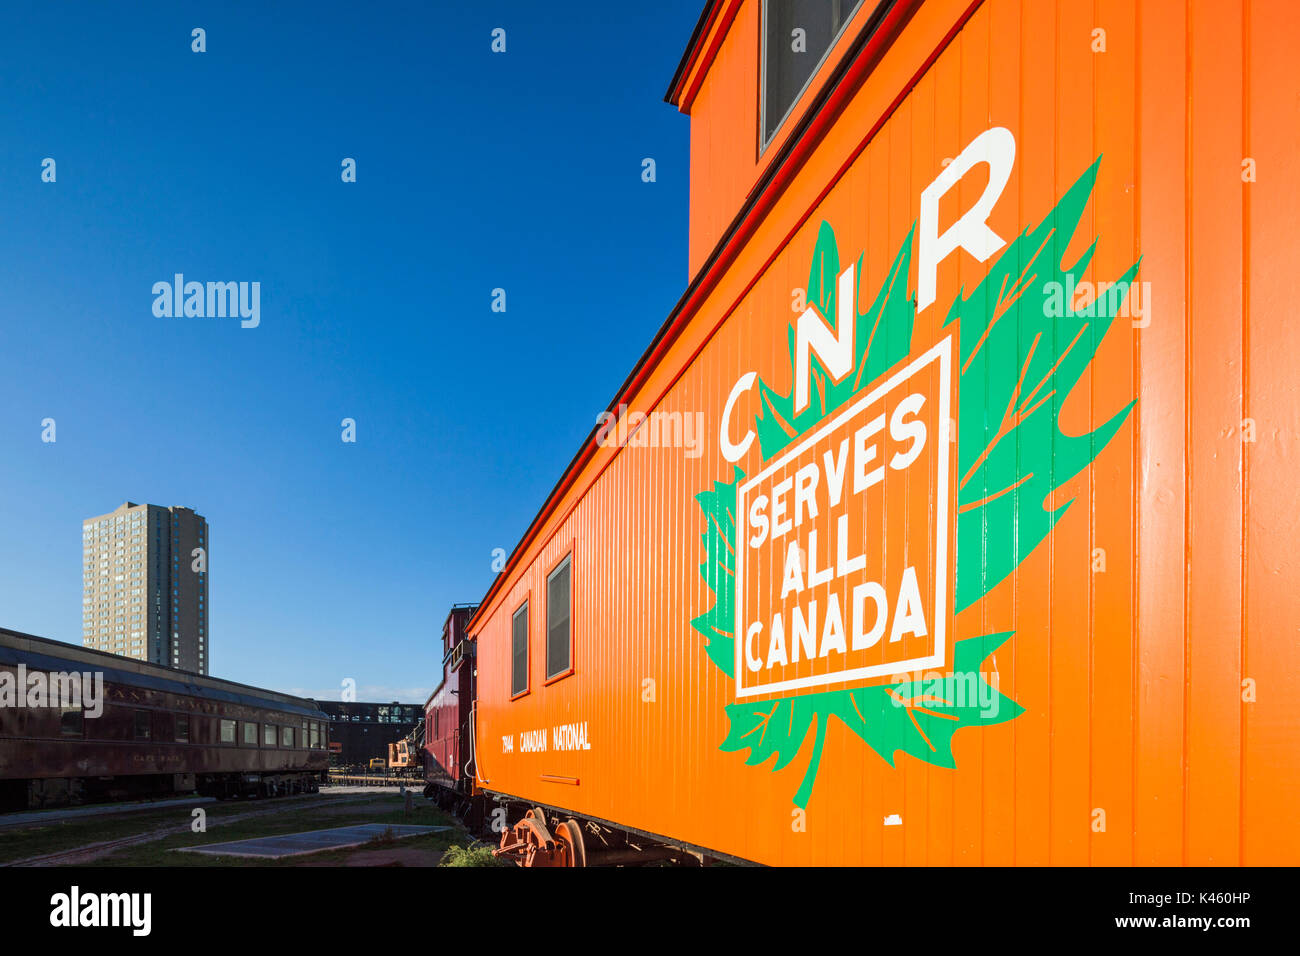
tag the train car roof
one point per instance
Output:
(43, 653)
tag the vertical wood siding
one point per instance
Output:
(1132, 677)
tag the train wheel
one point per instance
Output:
(569, 836)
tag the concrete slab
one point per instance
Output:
(310, 841)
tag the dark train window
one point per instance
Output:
(797, 35)
(519, 652)
(72, 723)
(315, 735)
(286, 736)
(558, 615)
(143, 730)
(250, 735)
(268, 735)
(183, 727)
(227, 731)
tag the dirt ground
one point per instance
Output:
(395, 856)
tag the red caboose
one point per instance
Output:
(447, 711)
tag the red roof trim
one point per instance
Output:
(688, 59)
(687, 99)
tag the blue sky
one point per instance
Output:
(475, 171)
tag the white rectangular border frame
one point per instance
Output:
(943, 354)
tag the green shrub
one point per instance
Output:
(476, 854)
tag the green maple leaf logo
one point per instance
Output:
(1023, 348)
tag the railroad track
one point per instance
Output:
(362, 780)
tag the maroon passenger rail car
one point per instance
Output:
(137, 729)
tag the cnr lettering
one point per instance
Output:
(835, 347)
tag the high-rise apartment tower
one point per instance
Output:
(146, 585)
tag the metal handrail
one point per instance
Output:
(473, 746)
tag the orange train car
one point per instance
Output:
(950, 518)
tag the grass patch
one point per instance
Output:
(20, 843)
(291, 815)
(386, 809)
(475, 854)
